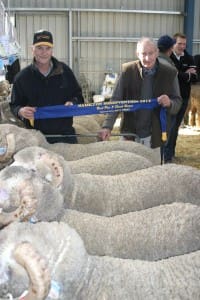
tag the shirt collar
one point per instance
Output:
(149, 72)
(178, 56)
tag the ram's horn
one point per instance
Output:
(36, 267)
(27, 206)
(56, 168)
(7, 148)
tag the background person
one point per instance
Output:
(197, 64)
(187, 74)
(165, 45)
(145, 78)
(45, 82)
(12, 70)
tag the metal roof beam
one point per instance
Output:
(136, 11)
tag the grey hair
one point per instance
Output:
(145, 40)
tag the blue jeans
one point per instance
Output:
(144, 141)
(169, 148)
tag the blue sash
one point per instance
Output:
(60, 111)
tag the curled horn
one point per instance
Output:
(38, 272)
(9, 145)
(27, 206)
(56, 168)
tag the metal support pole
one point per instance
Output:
(70, 39)
(189, 23)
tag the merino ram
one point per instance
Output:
(113, 195)
(25, 196)
(53, 254)
(151, 234)
(134, 235)
(106, 163)
(118, 194)
(14, 138)
(125, 236)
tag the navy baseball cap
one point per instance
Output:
(165, 42)
(43, 37)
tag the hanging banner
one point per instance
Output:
(61, 111)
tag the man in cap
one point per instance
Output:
(46, 82)
(165, 45)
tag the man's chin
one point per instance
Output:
(148, 66)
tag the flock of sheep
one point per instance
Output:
(95, 221)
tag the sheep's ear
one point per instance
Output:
(55, 167)
(26, 209)
(36, 267)
(7, 147)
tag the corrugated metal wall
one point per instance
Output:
(105, 40)
(94, 37)
(27, 23)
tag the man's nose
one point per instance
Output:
(147, 57)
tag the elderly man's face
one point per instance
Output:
(147, 54)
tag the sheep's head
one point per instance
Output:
(23, 137)
(4, 88)
(25, 196)
(49, 165)
(58, 253)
